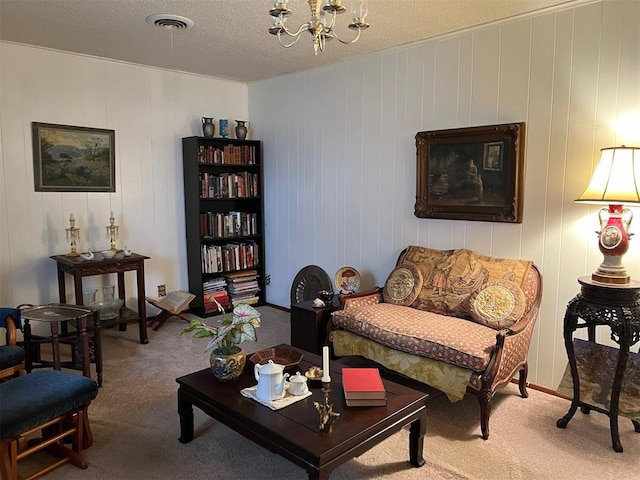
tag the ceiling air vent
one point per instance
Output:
(169, 21)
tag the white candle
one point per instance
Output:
(71, 216)
(326, 378)
(112, 214)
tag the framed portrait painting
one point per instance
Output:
(73, 159)
(473, 173)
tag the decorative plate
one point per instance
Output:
(347, 280)
(286, 356)
(308, 282)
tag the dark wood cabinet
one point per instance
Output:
(224, 216)
(309, 324)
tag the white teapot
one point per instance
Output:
(270, 381)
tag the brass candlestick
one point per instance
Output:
(113, 232)
(73, 235)
(325, 409)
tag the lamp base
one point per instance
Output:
(610, 278)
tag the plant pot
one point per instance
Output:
(227, 367)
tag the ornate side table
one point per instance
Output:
(615, 306)
(78, 268)
(59, 316)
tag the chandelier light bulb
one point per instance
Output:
(360, 10)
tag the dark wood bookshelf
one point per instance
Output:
(212, 159)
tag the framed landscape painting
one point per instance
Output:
(73, 159)
(473, 173)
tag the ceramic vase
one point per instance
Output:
(227, 367)
(208, 127)
(224, 127)
(241, 129)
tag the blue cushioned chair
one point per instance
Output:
(49, 401)
(11, 355)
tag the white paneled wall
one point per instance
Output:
(340, 151)
(150, 111)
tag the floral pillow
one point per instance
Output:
(498, 304)
(403, 285)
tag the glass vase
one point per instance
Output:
(89, 297)
(108, 292)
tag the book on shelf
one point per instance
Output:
(174, 302)
(366, 402)
(249, 301)
(241, 276)
(240, 287)
(210, 299)
(363, 384)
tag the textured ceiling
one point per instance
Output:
(230, 38)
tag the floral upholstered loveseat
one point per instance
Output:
(456, 320)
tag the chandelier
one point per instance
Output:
(320, 25)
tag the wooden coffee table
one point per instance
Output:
(293, 431)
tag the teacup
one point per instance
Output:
(298, 384)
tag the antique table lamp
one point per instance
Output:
(615, 181)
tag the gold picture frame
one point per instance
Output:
(472, 173)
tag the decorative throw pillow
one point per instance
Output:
(498, 304)
(403, 285)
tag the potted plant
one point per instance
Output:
(227, 358)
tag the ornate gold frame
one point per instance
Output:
(457, 181)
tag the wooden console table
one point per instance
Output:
(79, 267)
(615, 306)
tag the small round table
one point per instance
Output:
(600, 304)
(60, 317)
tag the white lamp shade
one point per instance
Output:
(616, 179)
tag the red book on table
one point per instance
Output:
(362, 384)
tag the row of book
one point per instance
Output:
(231, 224)
(227, 155)
(363, 387)
(228, 185)
(230, 256)
(231, 290)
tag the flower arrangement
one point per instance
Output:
(233, 329)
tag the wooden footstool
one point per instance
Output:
(49, 401)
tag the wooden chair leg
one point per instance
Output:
(485, 398)
(522, 381)
(9, 459)
(87, 435)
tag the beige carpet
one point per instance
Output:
(136, 429)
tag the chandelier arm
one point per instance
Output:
(332, 24)
(303, 27)
(335, 35)
(288, 45)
